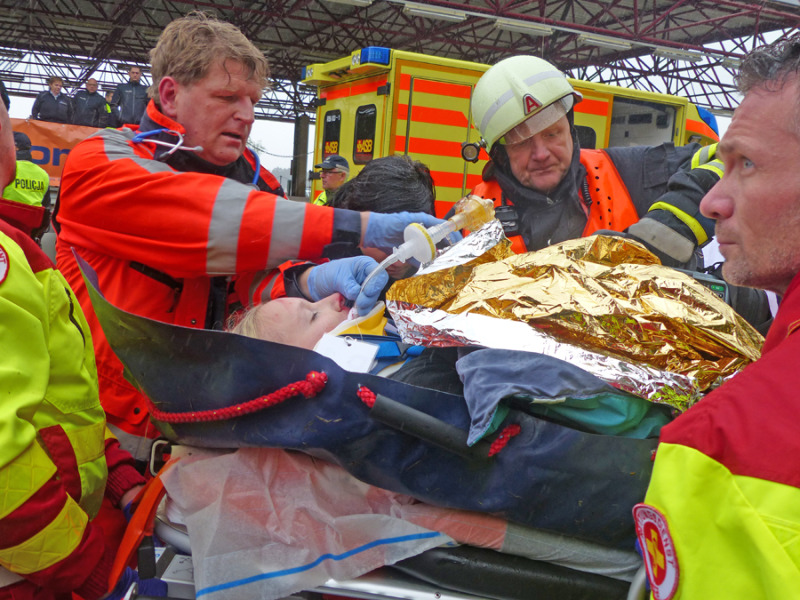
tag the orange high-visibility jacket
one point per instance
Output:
(611, 207)
(162, 241)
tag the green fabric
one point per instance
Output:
(610, 413)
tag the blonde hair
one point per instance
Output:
(189, 46)
(248, 323)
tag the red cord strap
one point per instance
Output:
(312, 385)
(505, 436)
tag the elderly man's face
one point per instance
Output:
(332, 179)
(135, 74)
(217, 111)
(91, 85)
(541, 161)
(757, 202)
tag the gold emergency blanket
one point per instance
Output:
(606, 295)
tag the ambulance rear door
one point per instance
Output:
(431, 119)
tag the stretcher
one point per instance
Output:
(545, 477)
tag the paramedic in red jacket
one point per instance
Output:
(179, 220)
(722, 514)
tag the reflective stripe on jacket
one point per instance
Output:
(611, 207)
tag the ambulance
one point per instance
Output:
(379, 101)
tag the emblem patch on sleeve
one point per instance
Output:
(3, 264)
(660, 559)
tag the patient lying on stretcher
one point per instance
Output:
(290, 494)
(301, 323)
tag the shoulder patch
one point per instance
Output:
(660, 559)
(3, 264)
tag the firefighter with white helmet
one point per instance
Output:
(553, 190)
(547, 189)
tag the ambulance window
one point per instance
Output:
(640, 122)
(332, 129)
(587, 137)
(364, 145)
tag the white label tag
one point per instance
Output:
(352, 355)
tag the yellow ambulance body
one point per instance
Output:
(378, 102)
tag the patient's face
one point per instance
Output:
(298, 322)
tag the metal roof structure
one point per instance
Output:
(683, 47)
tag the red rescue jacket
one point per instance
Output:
(158, 238)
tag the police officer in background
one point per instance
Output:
(88, 105)
(131, 98)
(335, 170)
(31, 184)
(109, 116)
(53, 104)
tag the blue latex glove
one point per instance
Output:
(385, 230)
(147, 587)
(346, 276)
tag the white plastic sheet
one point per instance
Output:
(265, 523)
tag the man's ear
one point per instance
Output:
(168, 93)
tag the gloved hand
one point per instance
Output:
(346, 276)
(385, 230)
(147, 587)
(665, 236)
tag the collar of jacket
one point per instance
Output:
(787, 320)
(240, 170)
(567, 189)
(24, 217)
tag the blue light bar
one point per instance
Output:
(375, 54)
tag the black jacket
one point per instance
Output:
(88, 108)
(131, 100)
(651, 174)
(47, 107)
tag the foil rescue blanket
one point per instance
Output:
(603, 303)
(548, 476)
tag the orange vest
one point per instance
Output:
(611, 208)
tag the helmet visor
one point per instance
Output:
(537, 122)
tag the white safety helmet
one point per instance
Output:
(519, 97)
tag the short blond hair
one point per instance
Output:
(249, 323)
(189, 46)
